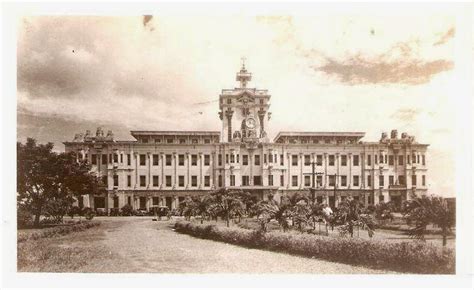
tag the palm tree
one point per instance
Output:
(424, 210)
(201, 206)
(350, 215)
(227, 204)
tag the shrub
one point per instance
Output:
(411, 257)
(74, 210)
(24, 217)
(127, 210)
(88, 213)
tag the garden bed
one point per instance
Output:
(412, 257)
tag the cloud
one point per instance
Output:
(406, 114)
(446, 37)
(397, 66)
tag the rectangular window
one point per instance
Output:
(343, 180)
(381, 158)
(116, 158)
(129, 159)
(142, 180)
(168, 182)
(265, 158)
(418, 159)
(182, 141)
(116, 202)
(369, 160)
(282, 180)
(245, 160)
(331, 160)
(232, 158)
(413, 158)
(401, 179)
(343, 160)
(270, 179)
(400, 159)
(257, 159)
(219, 159)
(181, 180)
(194, 141)
(369, 180)
(105, 180)
(207, 181)
(294, 160)
(294, 180)
(332, 180)
(390, 180)
(319, 160)
(181, 159)
(142, 159)
(375, 159)
(194, 160)
(355, 160)
(355, 180)
(116, 180)
(319, 180)
(227, 159)
(168, 158)
(104, 158)
(155, 159)
(245, 180)
(207, 159)
(219, 180)
(94, 159)
(257, 180)
(381, 180)
(232, 180)
(307, 180)
(169, 141)
(423, 159)
(155, 180)
(121, 157)
(423, 180)
(385, 159)
(129, 180)
(408, 159)
(129, 200)
(381, 198)
(194, 180)
(238, 158)
(413, 180)
(155, 200)
(207, 141)
(282, 160)
(270, 158)
(307, 160)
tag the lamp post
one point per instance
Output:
(313, 181)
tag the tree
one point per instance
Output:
(47, 182)
(350, 215)
(201, 207)
(227, 204)
(422, 211)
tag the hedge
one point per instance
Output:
(58, 230)
(412, 257)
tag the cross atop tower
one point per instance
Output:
(243, 76)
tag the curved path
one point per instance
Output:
(141, 245)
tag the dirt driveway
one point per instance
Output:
(141, 245)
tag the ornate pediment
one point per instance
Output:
(246, 98)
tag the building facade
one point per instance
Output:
(161, 168)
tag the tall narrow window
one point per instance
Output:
(207, 181)
(104, 159)
(142, 159)
(207, 159)
(129, 180)
(400, 159)
(219, 159)
(343, 180)
(294, 180)
(232, 180)
(423, 180)
(355, 160)
(116, 180)
(343, 160)
(307, 181)
(355, 180)
(369, 181)
(282, 180)
(181, 159)
(129, 159)
(155, 180)
(142, 180)
(155, 159)
(381, 180)
(94, 159)
(257, 159)
(270, 179)
(307, 160)
(331, 160)
(294, 160)
(181, 180)
(168, 180)
(369, 160)
(194, 159)
(282, 162)
(413, 180)
(194, 180)
(319, 160)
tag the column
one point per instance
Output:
(229, 114)
(162, 162)
(175, 171)
(301, 170)
(251, 167)
(200, 161)
(349, 159)
(135, 154)
(212, 169)
(188, 165)
(261, 116)
(149, 170)
(288, 162)
(325, 179)
(337, 170)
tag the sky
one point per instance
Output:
(326, 72)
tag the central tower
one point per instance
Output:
(244, 111)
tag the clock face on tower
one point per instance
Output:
(250, 122)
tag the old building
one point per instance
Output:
(163, 167)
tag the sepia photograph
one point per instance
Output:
(310, 140)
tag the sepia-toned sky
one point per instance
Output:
(345, 72)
